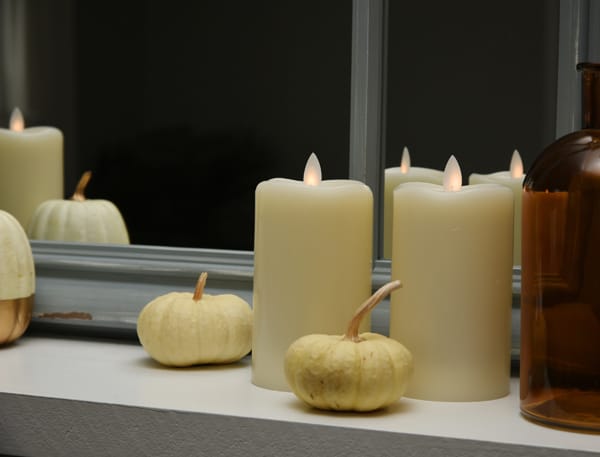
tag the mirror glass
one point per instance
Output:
(180, 109)
(473, 79)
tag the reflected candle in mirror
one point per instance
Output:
(31, 167)
(312, 264)
(453, 255)
(513, 179)
(393, 177)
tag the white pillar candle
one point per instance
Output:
(31, 167)
(513, 179)
(452, 253)
(312, 264)
(393, 177)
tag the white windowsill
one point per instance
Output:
(54, 389)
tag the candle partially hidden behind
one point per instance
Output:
(312, 264)
(513, 179)
(452, 252)
(393, 177)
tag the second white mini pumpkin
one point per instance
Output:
(183, 329)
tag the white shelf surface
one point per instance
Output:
(116, 373)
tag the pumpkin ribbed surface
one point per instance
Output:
(92, 221)
(177, 330)
(17, 274)
(333, 373)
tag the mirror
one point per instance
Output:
(181, 110)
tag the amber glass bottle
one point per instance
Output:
(560, 294)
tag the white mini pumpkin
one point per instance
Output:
(17, 279)
(79, 219)
(349, 372)
(183, 329)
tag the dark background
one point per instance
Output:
(181, 108)
(473, 79)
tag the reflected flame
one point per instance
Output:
(452, 175)
(516, 165)
(16, 122)
(312, 171)
(405, 162)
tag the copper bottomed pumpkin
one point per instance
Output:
(15, 315)
(17, 279)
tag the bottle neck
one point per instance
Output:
(590, 102)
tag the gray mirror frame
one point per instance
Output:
(113, 283)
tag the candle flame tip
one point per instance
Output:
(16, 122)
(516, 165)
(405, 162)
(312, 171)
(452, 175)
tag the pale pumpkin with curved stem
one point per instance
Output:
(183, 329)
(17, 279)
(79, 219)
(349, 372)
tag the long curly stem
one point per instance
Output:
(368, 305)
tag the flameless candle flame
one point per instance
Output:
(516, 165)
(312, 171)
(16, 122)
(405, 162)
(452, 175)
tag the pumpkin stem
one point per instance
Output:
(78, 195)
(368, 305)
(200, 286)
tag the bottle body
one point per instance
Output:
(560, 293)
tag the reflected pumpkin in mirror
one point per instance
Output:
(79, 219)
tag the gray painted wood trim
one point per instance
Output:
(579, 41)
(594, 31)
(367, 101)
(113, 283)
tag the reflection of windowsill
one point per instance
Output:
(86, 397)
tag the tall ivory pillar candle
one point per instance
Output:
(312, 264)
(453, 254)
(513, 179)
(393, 177)
(31, 167)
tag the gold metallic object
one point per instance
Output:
(15, 315)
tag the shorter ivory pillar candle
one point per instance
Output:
(312, 264)
(393, 177)
(453, 255)
(31, 167)
(513, 179)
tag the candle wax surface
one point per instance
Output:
(312, 266)
(393, 178)
(504, 178)
(31, 170)
(453, 253)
